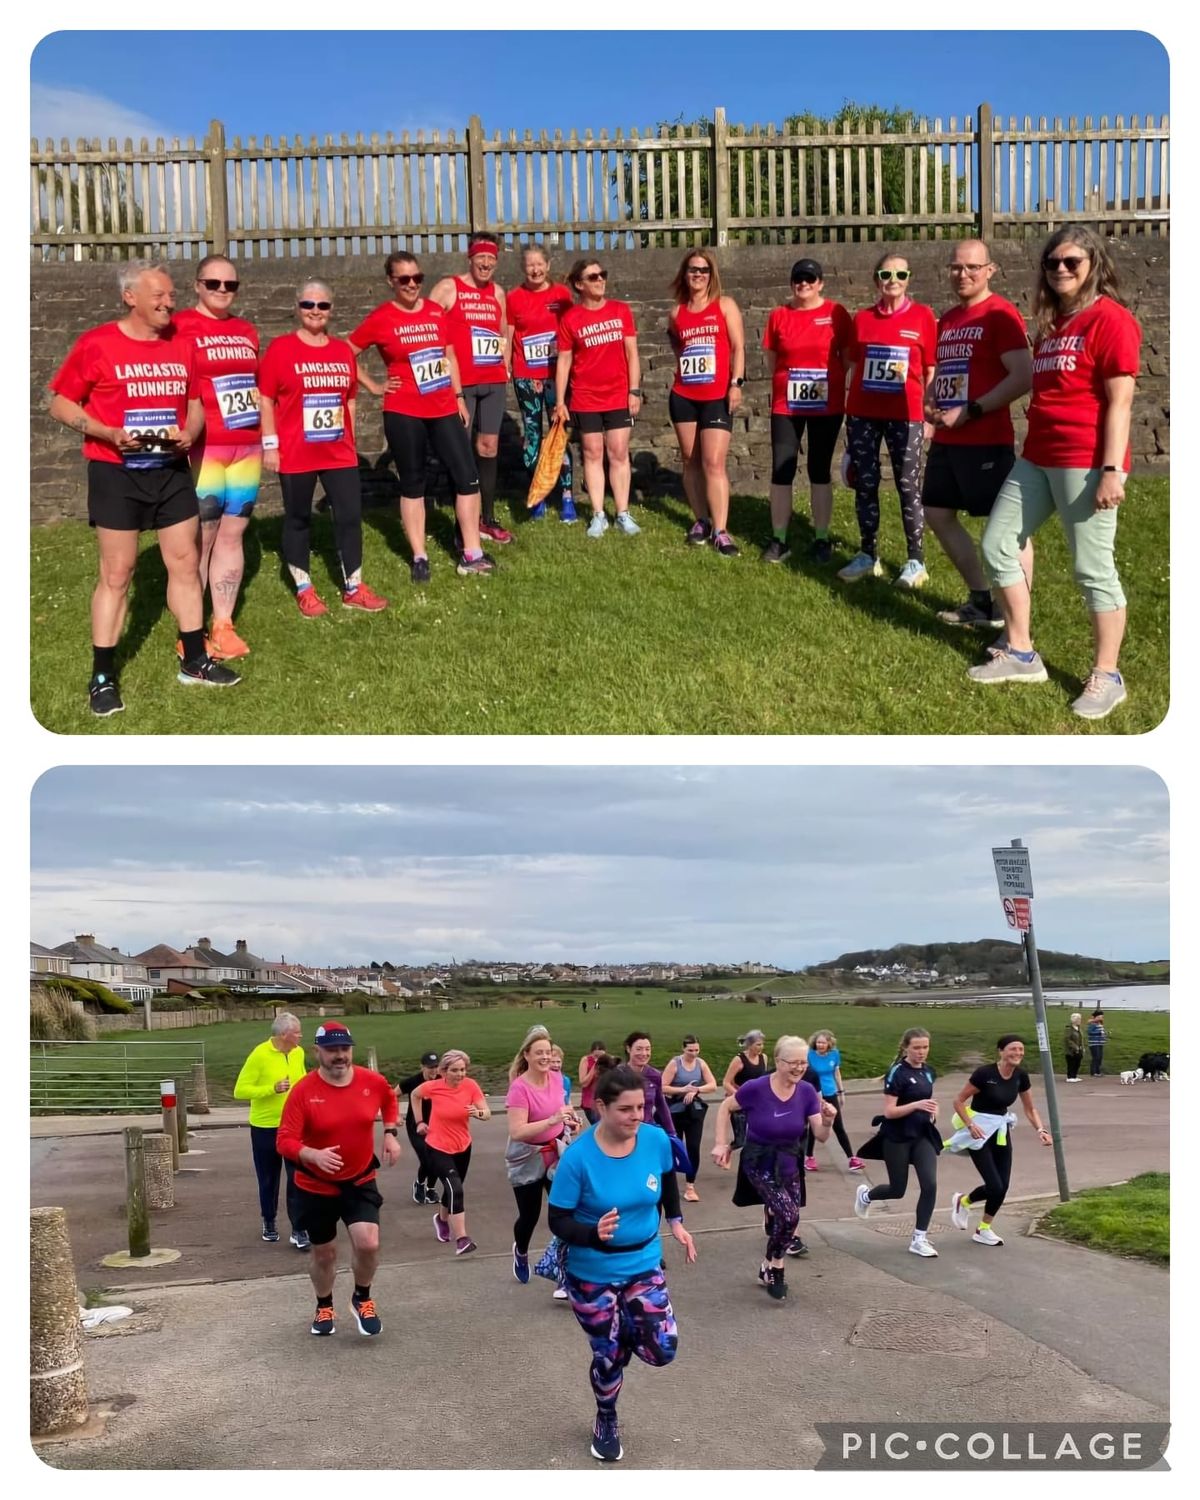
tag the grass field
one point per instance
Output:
(962, 1036)
(1133, 1219)
(623, 635)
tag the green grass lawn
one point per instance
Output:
(1133, 1219)
(623, 635)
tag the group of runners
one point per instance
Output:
(180, 412)
(608, 1170)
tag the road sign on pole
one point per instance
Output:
(1012, 871)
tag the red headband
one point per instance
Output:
(483, 247)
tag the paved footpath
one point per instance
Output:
(868, 1332)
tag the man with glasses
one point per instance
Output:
(328, 1130)
(983, 365)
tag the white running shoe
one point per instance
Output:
(862, 1202)
(912, 575)
(560, 1294)
(861, 565)
(986, 1237)
(958, 1214)
(921, 1246)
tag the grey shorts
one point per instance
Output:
(485, 407)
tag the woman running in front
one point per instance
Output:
(684, 1078)
(910, 1138)
(456, 1100)
(893, 357)
(307, 384)
(773, 1156)
(984, 1104)
(534, 309)
(227, 461)
(825, 1075)
(537, 1120)
(608, 1193)
(706, 333)
(598, 359)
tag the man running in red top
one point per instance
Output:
(328, 1130)
(478, 319)
(983, 365)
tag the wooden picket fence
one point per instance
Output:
(687, 184)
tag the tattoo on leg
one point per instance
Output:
(226, 587)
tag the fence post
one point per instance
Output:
(719, 179)
(166, 1091)
(181, 1120)
(200, 1090)
(476, 177)
(218, 196)
(984, 174)
(135, 1193)
(57, 1384)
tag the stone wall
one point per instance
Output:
(66, 299)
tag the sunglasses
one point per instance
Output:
(308, 306)
(1069, 263)
(806, 280)
(892, 275)
(212, 285)
(417, 280)
(699, 271)
(596, 276)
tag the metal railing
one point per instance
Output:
(105, 1077)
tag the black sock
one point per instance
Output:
(487, 468)
(363, 1293)
(104, 661)
(193, 645)
(982, 599)
(325, 1301)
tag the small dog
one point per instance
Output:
(1134, 1075)
(1156, 1066)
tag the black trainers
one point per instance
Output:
(207, 673)
(776, 551)
(797, 1247)
(269, 1233)
(606, 1438)
(970, 615)
(300, 1239)
(821, 550)
(419, 571)
(724, 544)
(323, 1324)
(368, 1320)
(699, 532)
(776, 1285)
(103, 696)
(418, 1191)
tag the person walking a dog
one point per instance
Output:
(1073, 1046)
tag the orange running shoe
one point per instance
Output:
(311, 604)
(363, 598)
(224, 643)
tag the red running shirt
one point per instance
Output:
(319, 1114)
(533, 320)
(891, 354)
(596, 342)
(1070, 366)
(143, 385)
(413, 345)
(701, 342)
(809, 378)
(312, 387)
(226, 362)
(449, 1120)
(970, 343)
(475, 322)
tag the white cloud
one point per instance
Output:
(58, 112)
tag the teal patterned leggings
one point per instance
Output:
(533, 403)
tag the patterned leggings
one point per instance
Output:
(782, 1201)
(621, 1321)
(532, 404)
(904, 442)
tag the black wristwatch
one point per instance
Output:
(739, 382)
(636, 391)
(974, 410)
(392, 1130)
(1112, 469)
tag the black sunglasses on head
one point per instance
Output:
(210, 284)
(308, 306)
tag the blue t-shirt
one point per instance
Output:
(773, 1121)
(588, 1183)
(823, 1065)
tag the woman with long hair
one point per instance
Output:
(537, 1121)
(456, 1100)
(708, 338)
(1074, 462)
(534, 309)
(825, 1075)
(684, 1079)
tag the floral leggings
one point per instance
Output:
(621, 1321)
(783, 1200)
(904, 441)
(532, 403)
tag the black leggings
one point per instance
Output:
(994, 1164)
(344, 493)
(839, 1129)
(451, 1172)
(786, 432)
(1073, 1061)
(898, 1156)
(409, 440)
(529, 1210)
(425, 1172)
(689, 1126)
(904, 441)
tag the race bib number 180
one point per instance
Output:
(237, 399)
(885, 368)
(323, 420)
(539, 349)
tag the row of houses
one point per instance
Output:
(623, 974)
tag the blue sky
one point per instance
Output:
(790, 865)
(267, 83)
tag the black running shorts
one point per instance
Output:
(965, 476)
(705, 414)
(354, 1203)
(602, 421)
(121, 499)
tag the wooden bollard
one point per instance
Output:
(372, 1060)
(181, 1106)
(160, 1170)
(57, 1385)
(136, 1212)
(199, 1090)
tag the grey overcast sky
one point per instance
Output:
(787, 865)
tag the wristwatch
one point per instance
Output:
(739, 382)
(974, 410)
(392, 1130)
(635, 391)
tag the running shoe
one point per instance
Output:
(690, 1195)
(481, 565)
(464, 1245)
(104, 698)
(207, 648)
(567, 513)
(299, 1239)
(441, 1227)
(495, 533)
(269, 1233)
(862, 1203)
(206, 673)
(538, 512)
(1005, 667)
(970, 615)
(560, 1294)
(1101, 694)
(324, 1324)
(776, 551)
(368, 1320)
(699, 532)
(913, 575)
(821, 550)
(598, 525)
(764, 1274)
(626, 524)
(363, 598)
(520, 1266)
(855, 1164)
(798, 1249)
(224, 643)
(310, 604)
(921, 1246)
(861, 565)
(810, 1164)
(986, 1237)
(776, 1284)
(725, 544)
(606, 1438)
(419, 570)
(958, 1214)
(418, 1191)
(997, 647)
